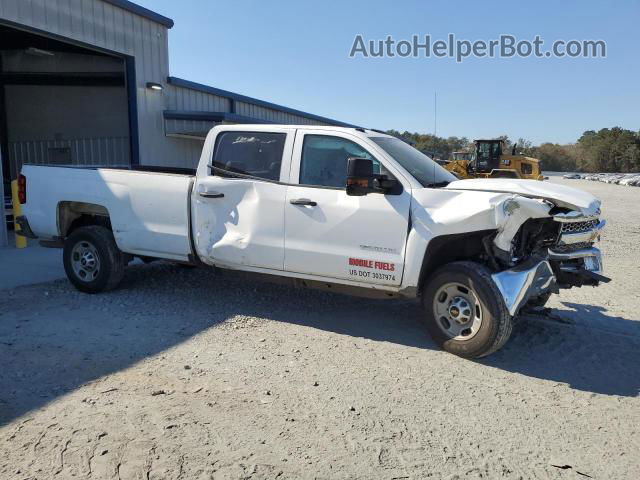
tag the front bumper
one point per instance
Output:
(578, 267)
(570, 261)
(536, 277)
(574, 260)
(523, 282)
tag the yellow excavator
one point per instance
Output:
(490, 161)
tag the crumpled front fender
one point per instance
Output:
(523, 282)
(511, 213)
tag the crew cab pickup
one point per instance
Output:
(350, 208)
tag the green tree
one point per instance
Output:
(606, 150)
(554, 157)
(609, 150)
(432, 145)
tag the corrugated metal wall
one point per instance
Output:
(272, 115)
(187, 99)
(103, 25)
(106, 26)
(103, 151)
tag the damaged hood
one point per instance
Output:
(560, 195)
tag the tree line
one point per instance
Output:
(607, 150)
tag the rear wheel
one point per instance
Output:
(465, 312)
(92, 260)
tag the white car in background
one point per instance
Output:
(630, 180)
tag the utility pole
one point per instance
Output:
(4, 239)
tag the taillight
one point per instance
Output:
(22, 189)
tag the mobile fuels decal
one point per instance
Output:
(371, 269)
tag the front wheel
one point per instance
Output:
(92, 260)
(465, 312)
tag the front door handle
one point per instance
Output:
(211, 194)
(305, 202)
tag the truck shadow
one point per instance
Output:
(54, 340)
(582, 346)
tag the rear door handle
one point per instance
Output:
(211, 194)
(304, 202)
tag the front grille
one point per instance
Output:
(579, 227)
(572, 247)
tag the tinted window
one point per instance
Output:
(250, 153)
(484, 155)
(526, 168)
(423, 169)
(324, 160)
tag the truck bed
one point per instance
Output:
(148, 207)
(170, 170)
(134, 168)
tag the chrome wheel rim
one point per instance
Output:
(85, 261)
(457, 311)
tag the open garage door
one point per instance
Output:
(62, 104)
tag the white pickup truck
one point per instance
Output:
(347, 208)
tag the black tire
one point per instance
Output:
(495, 323)
(97, 242)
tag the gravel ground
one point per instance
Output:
(195, 374)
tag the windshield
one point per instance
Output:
(423, 169)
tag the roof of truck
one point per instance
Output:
(266, 126)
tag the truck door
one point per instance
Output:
(331, 234)
(238, 199)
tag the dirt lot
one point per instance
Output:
(192, 374)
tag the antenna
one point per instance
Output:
(435, 131)
(435, 114)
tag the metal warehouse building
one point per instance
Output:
(86, 82)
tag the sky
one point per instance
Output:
(296, 53)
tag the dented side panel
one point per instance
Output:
(243, 228)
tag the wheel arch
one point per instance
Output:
(445, 249)
(73, 215)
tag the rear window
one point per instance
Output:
(258, 154)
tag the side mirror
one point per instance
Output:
(361, 179)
